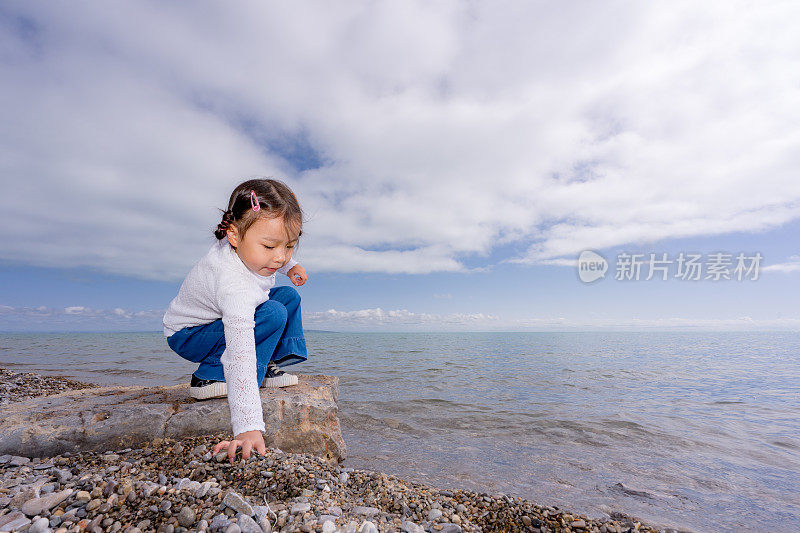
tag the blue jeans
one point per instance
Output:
(278, 335)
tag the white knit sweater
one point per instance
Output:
(221, 286)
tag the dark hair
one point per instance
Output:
(275, 198)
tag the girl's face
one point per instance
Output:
(265, 247)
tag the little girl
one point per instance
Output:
(229, 317)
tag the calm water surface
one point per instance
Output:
(699, 431)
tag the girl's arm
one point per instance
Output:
(239, 359)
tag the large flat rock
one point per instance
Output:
(301, 419)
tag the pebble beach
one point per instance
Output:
(178, 486)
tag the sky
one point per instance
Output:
(452, 159)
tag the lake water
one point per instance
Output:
(698, 431)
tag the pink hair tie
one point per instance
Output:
(254, 201)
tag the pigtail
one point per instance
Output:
(222, 227)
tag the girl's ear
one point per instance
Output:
(233, 237)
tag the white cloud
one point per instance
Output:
(792, 265)
(78, 318)
(401, 318)
(444, 129)
(121, 312)
(572, 263)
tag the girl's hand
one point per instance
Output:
(298, 275)
(248, 440)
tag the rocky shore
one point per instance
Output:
(16, 387)
(177, 486)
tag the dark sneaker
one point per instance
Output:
(276, 377)
(204, 389)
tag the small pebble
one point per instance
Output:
(236, 502)
(300, 508)
(368, 527)
(39, 525)
(247, 524)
